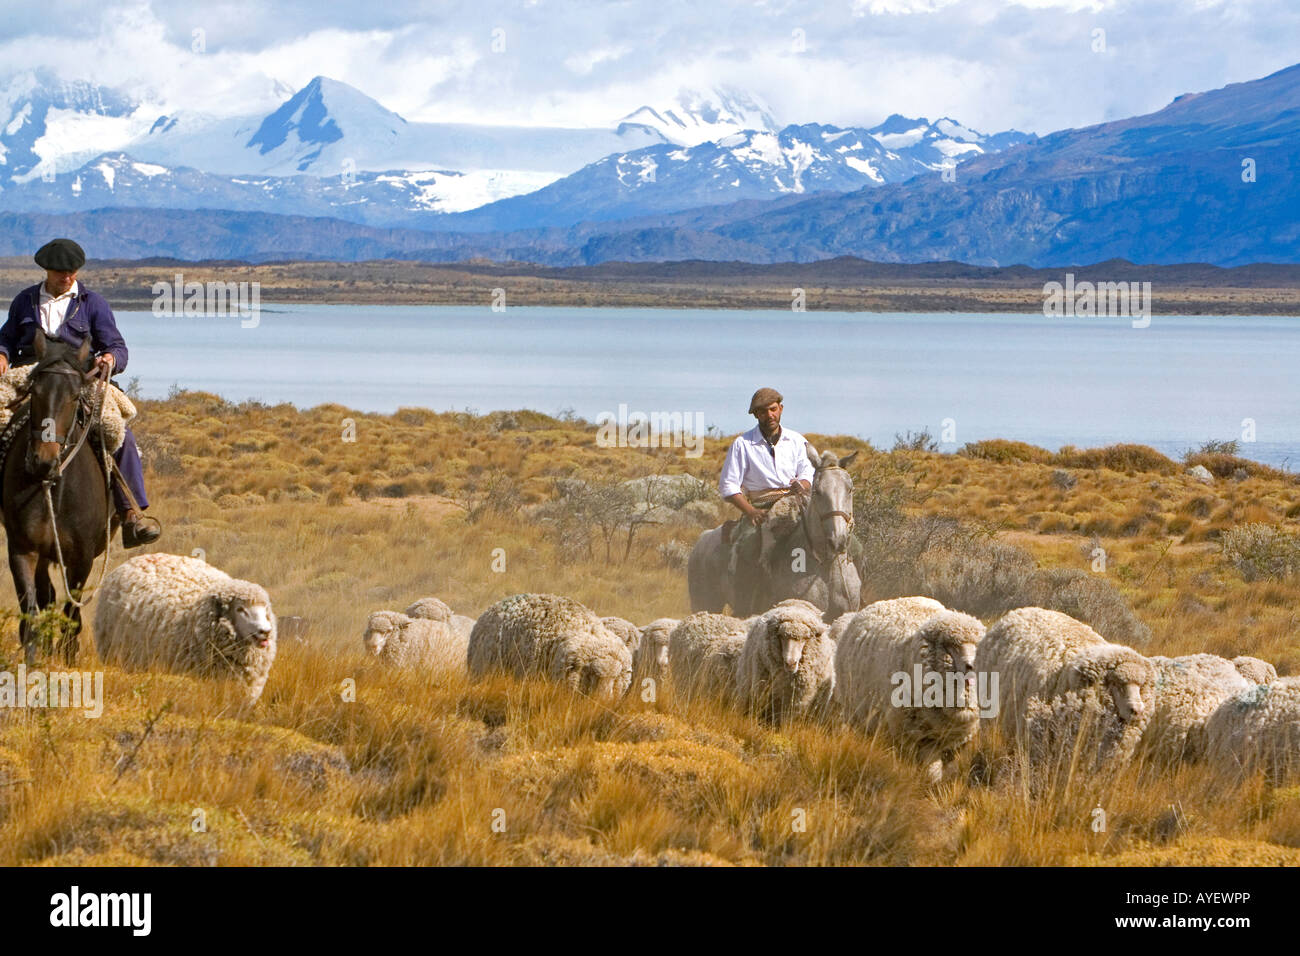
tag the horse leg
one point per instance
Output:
(45, 597)
(77, 576)
(23, 569)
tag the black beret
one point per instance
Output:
(60, 255)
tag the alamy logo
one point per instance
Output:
(72, 690)
(74, 908)
(1100, 299)
(180, 298)
(651, 430)
(949, 690)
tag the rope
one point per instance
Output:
(101, 386)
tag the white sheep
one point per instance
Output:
(626, 631)
(913, 676)
(838, 627)
(1040, 656)
(182, 614)
(431, 608)
(436, 610)
(853, 666)
(400, 640)
(650, 660)
(1255, 670)
(1187, 691)
(550, 636)
(702, 654)
(1258, 729)
(787, 666)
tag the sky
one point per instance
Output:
(1034, 65)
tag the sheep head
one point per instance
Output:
(654, 641)
(381, 627)
(1119, 672)
(790, 628)
(949, 640)
(246, 618)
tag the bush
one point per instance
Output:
(1125, 458)
(920, 441)
(1223, 465)
(1004, 451)
(1261, 552)
(1092, 599)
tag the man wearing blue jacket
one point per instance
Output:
(65, 308)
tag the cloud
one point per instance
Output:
(992, 64)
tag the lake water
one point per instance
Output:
(1046, 381)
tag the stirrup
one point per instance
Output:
(131, 538)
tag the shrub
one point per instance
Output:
(1261, 552)
(1004, 451)
(1125, 458)
(919, 441)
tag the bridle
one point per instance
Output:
(823, 516)
(86, 421)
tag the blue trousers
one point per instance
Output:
(128, 461)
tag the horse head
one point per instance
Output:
(55, 388)
(830, 505)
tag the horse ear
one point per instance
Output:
(812, 455)
(848, 459)
(38, 343)
(84, 352)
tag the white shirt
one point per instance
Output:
(55, 307)
(751, 464)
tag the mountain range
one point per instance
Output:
(1212, 177)
(331, 150)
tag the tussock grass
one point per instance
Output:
(180, 771)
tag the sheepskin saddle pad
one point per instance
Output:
(118, 409)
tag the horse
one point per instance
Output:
(50, 467)
(812, 563)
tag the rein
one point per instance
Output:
(824, 516)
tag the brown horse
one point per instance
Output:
(50, 463)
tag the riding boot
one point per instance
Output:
(135, 532)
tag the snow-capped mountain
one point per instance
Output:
(329, 128)
(695, 117)
(47, 124)
(931, 146)
(411, 197)
(750, 164)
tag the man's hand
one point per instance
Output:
(799, 486)
(4, 364)
(107, 361)
(756, 516)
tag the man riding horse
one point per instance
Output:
(66, 309)
(767, 476)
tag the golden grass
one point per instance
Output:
(504, 772)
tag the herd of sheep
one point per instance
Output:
(1045, 680)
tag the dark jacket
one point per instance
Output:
(88, 314)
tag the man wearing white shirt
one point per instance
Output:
(763, 466)
(57, 292)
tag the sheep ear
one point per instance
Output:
(1080, 675)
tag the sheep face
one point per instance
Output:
(654, 644)
(380, 628)
(251, 622)
(791, 637)
(599, 679)
(1123, 677)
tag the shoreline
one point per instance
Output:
(1265, 290)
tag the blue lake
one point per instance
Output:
(1085, 382)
